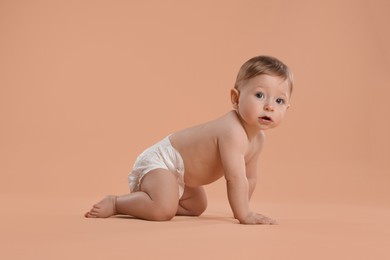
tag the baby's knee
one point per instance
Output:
(163, 212)
(197, 207)
(200, 208)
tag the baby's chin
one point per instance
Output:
(268, 127)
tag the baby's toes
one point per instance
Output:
(91, 214)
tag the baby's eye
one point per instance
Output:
(280, 101)
(259, 95)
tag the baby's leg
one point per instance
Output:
(193, 202)
(157, 200)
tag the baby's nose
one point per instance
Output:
(268, 107)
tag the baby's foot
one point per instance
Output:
(104, 209)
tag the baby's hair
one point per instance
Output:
(264, 65)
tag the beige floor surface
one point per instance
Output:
(37, 228)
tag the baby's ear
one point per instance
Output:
(234, 95)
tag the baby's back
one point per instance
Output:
(198, 147)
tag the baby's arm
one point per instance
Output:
(232, 157)
(252, 166)
(251, 174)
(232, 151)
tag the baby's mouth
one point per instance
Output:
(266, 118)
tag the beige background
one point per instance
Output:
(85, 86)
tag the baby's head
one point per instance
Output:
(261, 94)
(263, 65)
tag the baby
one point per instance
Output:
(167, 179)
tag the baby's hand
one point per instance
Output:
(255, 218)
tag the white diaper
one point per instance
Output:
(159, 156)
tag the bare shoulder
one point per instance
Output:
(231, 131)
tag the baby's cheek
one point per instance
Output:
(251, 110)
(281, 116)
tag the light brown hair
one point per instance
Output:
(263, 65)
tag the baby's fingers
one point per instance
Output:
(273, 222)
(260, 219)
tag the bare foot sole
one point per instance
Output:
(103, 209)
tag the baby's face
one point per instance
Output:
(263, 101)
